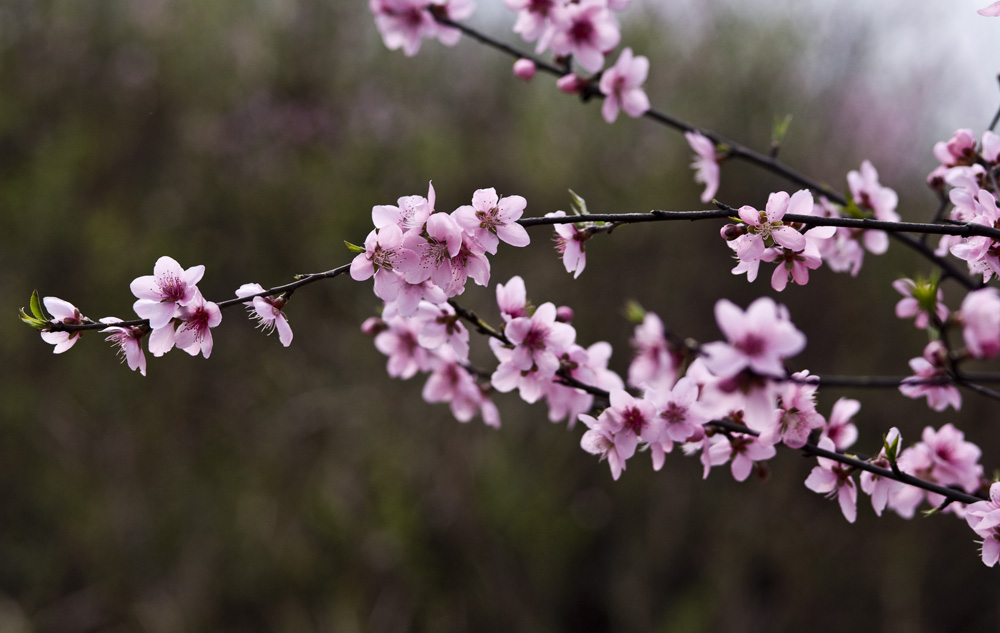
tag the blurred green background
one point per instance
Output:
(302, 489)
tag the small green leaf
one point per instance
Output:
(38, 324)
(354, 248)
(36, 306)
(634, 312)
(579, 204)
(780, 128)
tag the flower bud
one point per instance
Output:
(524, 69)
(732, 231)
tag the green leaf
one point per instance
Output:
(36, 306)
(354, 248)
(634, 312)
(780, 128)
(579, 204)
(38, 324)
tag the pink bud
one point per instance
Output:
(564, 314)
(732, 231)
(524, 69)
(373, 326)
(570, 84)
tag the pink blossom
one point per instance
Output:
(620, 428)
(62, 312)
(600, 440)
(512, 299)
(437, 250)
(410, 213)
(834, 479)
(269, 312)
(622, 86)
(524, 69)
(128, 339)
(879, 488)
(570, 241)
(953, 461)
(585, 30)
(450, 382)
(984, 516)
(440, 326)
(533, 19)
(991, 11)
(868, 193)
(796, 417)
(679, 410)
(538, 340)
(982, 253)
(981, 322)
(767, 224)
(402, 23)
(705, 164)
(991, 147)
(400, 342)
(656, 363)
(839, 428)
(491, 219)
(758, 339)
(194, 334)
(589, 366)
(927, 371)
(794, 265)
(454, 10)
(384, 253)
(163, 292)
(959, 150)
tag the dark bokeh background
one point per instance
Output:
(301, 489)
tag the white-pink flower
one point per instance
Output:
(269, 312)
(840, 428)
(128, 340)
(705, 164)
(991, 11)
(194, 334)
(490, 219)
(622, 86)
(384, 254)
(916, 299)
(930, 379)
(655, 364)
(984, 516)
(167, 289)
(62, 312)
(403, 23)
(570, 241)
(834, 479)
(678, 408)
(767, 225)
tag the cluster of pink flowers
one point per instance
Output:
(585, 29)
(174, 312)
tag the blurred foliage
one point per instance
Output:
(301, 489)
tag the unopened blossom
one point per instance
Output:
(269, 312)
(491, 219)
(840, 427)
(128, 340)
(524, 69)
(622, 86)
(930, 379)
(194, 334)
(570, 83)
(763, 226)
(834, 479)
(62, 312)
(586, 30)
(984, 516)
(919, 300)
(705, 165)
(570, 243)
(880, 488)
(981, 322)
(167, 289)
